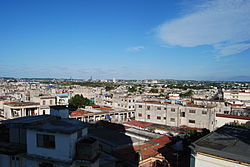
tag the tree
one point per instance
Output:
(187, 94)
(153, 91)
(79, 101)
(132, 89)
(108, 88)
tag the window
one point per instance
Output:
(165, 108)
(129, 101)
(44, 102)
(148, 116)
(165, 118)
(46, 141)
(172, 119)
(140, 106)
(191, 121)
(44, 112)
(182, 114)
(45, 164)
(50, 102)
(191, 111)
(158, 117)
(139, 115)
(204, 112)
(173, 109)
(158, 108)
(148, 107)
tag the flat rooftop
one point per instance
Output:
(66, 126)
(30, 119)
(230, 142)
(21, 104)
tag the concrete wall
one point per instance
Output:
(170, 114)
(64, 145)
(200, 160)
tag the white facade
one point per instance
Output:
(206, 160)
(236, 95)
(64, 145)
(12, 110)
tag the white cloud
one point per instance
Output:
(223, 23)
(135, 48)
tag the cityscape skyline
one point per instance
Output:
(198, 40)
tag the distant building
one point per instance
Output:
(236, 95)
(228, 146)
(20, 109)
(45, 102)
(191, 115)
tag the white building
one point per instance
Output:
(45, 103)
(191, 115)
(20, 109)
(47, 141)
(228, 146)
(236, 95)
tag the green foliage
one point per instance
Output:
(108, 88)
(236, 123)
(132, 89)
(153, 91)
(187, 94)
(79, 101)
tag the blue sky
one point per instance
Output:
(126, 39)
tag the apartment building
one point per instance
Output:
(191, 115)
(20, 109)
(124, 102)
(47, 141)
(62, 98)
(236, 95)
(45, 102)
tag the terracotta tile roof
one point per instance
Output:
(78, 113)
(139, 147)
(163, 140)
(105, 109)
(232, 116)
(140, 124)
(94, 106)
(150, 152)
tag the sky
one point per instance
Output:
(125, 39)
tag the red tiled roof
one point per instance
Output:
(139, 147)
(163, 140)
(235, 104)
(105, 109)
(232, 116)
(150, 152)
(140, 124)
(94, 106)
(77, 113)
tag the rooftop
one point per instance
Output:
(66, 126)
(20, 104)
(30, 119)
(230, 142)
